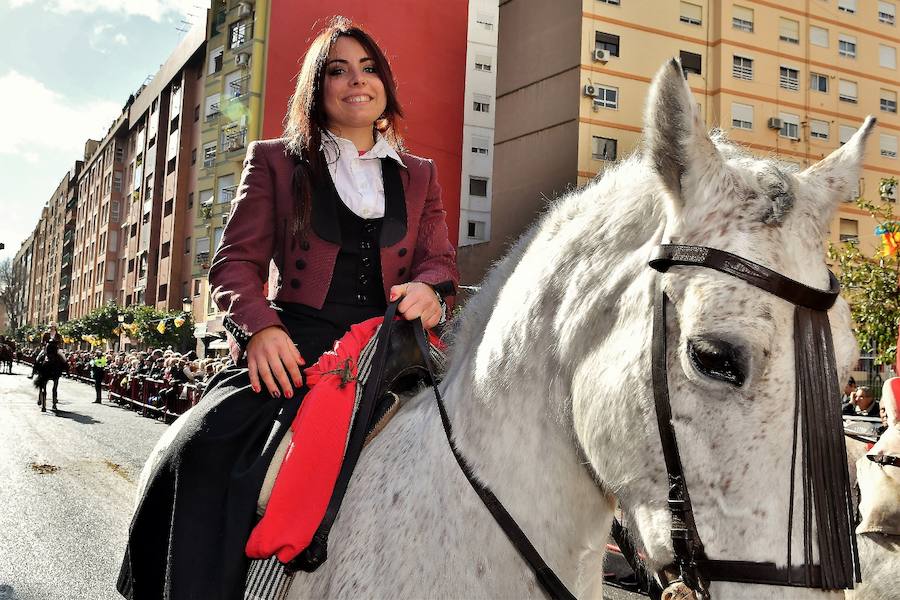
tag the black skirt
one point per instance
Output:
(188, 533)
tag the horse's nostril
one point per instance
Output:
(717, 359)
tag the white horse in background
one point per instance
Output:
(549, 388)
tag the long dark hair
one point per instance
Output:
(305, 124)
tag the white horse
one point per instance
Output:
(548, 386)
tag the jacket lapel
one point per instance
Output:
(325, 197)
(393, 228)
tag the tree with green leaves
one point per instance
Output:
(871, 283)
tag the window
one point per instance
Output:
(196, 113)
(847, 45)
(607, 97)
(888, 101)
(209, 154)
(789, 78)
(845, 132)
(848, 6)
(239, 34)
(790, 126)
(478, 186)
(603, 148)
(203, 245)
(475, 230)
(483, 62)
(849, 230)
(887, 56)
(888, 145)
(690, 63)
(212, 106)
(847, 91)
(480, 145)
(789, 30)
(113, 240)
(215, 60)
(165, 250)
(741, 116)
(117, 181)
(887, 12)
(486, 21)
(225, 188)
(606, 41)
(742, 68)
(818, 82)
(692, 14)
(119, 153)
(187, 245)
(818, 129)
(481, 103)
(217, 237)
(615, 2)
(742, 18)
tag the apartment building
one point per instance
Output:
(478, 123)
(62, 212)
(37, 277)
(231, 108)
(95, 248)
(162, 155)
(22, 264)
(792, 79)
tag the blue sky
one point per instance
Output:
(66, 69)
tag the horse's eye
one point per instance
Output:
(717, 359)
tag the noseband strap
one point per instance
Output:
(826, 490)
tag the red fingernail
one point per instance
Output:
(289, 393)
(256, 388)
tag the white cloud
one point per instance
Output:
(121, 39)
(35, 119)
(152, 9)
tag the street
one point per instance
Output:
(68, 482)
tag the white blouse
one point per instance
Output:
(358, 178)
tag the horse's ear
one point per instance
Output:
(675, 134)
(836, 174)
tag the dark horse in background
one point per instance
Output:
(7, 354)
(49, 366)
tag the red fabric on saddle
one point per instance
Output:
(310, 468)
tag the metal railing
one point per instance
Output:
(239, 87)
(234, 140)
(213, 113)
(201, 257)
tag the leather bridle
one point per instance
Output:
(826, 487)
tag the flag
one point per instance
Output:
(161, 327)
(179, 321)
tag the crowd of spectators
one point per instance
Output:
(175, 373)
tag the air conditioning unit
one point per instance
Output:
(590, 90)
(774, 123)
(601, 55)
(242, 59)
(245, 9)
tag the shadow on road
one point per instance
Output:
(77, 417)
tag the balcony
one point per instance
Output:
(209, 160)
(213, 112)
(234, 139)
(202, 258)
(239, 88)
(228, 194)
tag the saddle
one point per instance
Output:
(354, 392)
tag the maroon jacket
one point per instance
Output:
(258, 244)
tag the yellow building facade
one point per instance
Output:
(792, 79)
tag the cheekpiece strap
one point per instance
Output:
(667, 255)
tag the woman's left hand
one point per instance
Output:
(419, 301)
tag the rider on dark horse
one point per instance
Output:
(50, 363)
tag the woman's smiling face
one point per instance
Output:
(354, 95)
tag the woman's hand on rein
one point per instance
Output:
(419, 301)
(274, 361)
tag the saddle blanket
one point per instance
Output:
(318, 440)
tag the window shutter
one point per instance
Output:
(788, 29)
(888, 145)
(744, 14)
(887, 56)
(847, 88)
(742, 112)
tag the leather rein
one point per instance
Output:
(826, 486)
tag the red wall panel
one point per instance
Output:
(426, 45)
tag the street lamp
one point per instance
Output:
(186, 305)
(121, 319)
